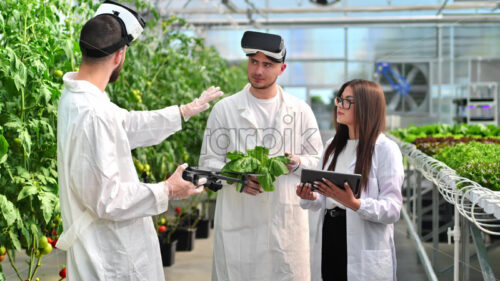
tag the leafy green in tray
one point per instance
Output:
(257, 161)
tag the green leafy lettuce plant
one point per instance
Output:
(478, 162)
(257, 161)
(444, 130)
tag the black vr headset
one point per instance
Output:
(131, 23)
(270, 45)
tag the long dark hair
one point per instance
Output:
(369, 119)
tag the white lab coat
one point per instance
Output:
(96, 173)
(263, 237)
(371, 254)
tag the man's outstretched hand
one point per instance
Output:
(200, 104)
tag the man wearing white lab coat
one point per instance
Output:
(106, 211)
(262, 235)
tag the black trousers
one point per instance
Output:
(334, 249)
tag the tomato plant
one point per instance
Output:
(38, 43)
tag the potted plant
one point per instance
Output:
(165, 228)
(210, 206)
(203, 223)
(185, 232)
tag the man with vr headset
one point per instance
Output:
(262, 235)
(108, 230)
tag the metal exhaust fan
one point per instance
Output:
(405, 85)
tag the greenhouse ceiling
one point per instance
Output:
(235, 14)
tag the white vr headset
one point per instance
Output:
(134, 24)
(271, 45)
(276, 56)
(131, 23)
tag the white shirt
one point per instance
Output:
(264, 109)
(345, 158)
(96, 173)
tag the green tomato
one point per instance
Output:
(43, 242)
(2, 250)
(38, 254)
(163, 221)
(17, 145)
(31, 250)
(58, 73)
(139, 166)
(46, 250)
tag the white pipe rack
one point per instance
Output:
(473, 202)
(466, 197)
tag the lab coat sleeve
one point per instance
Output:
(320, 201)
(313, 205)
(390, 175)
(95, 176)
(146, 128)
(312, 145)
(213, 152)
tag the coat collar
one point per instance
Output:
(244, 104)
(82, 86)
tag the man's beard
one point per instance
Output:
(262, 87)
(116, 73)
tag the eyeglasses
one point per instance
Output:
(346, 104)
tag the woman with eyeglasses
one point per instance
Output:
(357, 231)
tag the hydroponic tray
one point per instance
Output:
(490, 203)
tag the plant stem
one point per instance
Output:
(22, 105)
(25, 28)
(32, 256)
(14, 266)
(38, 264)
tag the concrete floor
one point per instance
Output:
(197, 264)
(189, 266)
(193, 266)
(408, 267)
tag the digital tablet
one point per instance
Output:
(354, 180)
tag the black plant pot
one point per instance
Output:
(167, 249)
(203, 229)
(211, 209)
(185, 238)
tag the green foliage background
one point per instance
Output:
(479, 162)
(39, 42)
(473, 151)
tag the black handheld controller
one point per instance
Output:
(214, 178)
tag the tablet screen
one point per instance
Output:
(354, 180)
